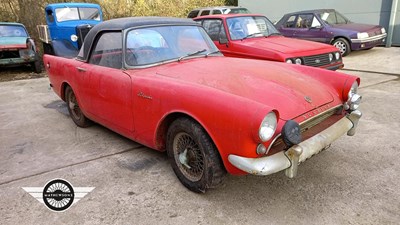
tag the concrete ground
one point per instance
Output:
(356, 181)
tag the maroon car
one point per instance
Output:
(329, 26)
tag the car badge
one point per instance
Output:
(317, 61)
(308, 99)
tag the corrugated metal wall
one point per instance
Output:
(362, 11)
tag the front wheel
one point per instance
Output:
(193, 156)
(74, 110)
(343, 46)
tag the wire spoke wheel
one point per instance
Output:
(193, 156)
(74, 107)
(74, 110)
(188, 156)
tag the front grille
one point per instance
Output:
(9, 54)
(307, 127)
(317, 60)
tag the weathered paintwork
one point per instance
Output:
(16, 47)
(228, 97)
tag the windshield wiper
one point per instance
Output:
(210, 53)
(191, 54)
(251, 35)
(273, 34)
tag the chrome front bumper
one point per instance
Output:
(290, 159)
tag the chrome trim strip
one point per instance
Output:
(368, 39)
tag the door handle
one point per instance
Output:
(80, 69)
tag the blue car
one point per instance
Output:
(17, 48)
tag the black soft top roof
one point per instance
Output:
(129, 22)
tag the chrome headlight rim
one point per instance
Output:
(268, 126)
(353, 98)
(290, 61)
(298, 61)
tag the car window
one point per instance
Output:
(216, 11)
(315, 22)
(12, 31)
(214, 28)
(290, 23)
(193, 13)
(250, 27)
(333, 18)
(108, 50)
(205, 13)
(152, 45)
(73, 13)
(304, 20)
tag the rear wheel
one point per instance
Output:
(343, 46)
(74, 110)
(193, 156)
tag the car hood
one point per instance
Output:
(357, 27)
(12, 42)
(284, 45)
(273, 84)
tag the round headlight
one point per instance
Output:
(355, 101)
(337, 55)
(330, 57)
(298, 61)
(267, 127)
(74, 38)
(289, 61)
(353, 90)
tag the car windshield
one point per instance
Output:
(150, 45)
(333, 18)
(73, 13)
(12, 31)
(250, 27)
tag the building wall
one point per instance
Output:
(361, 11)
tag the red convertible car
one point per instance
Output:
(163, 83)
(255, 37)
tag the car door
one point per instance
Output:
(308, 27)
(110, 87)
(288, 28)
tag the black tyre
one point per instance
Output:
(37, 66)
(193, 156)
(74, 110)
(343, 46)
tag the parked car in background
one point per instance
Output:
(254, 36)
(67, 26)
(217, 10)
(17, 48)
(163, 83)
(331, 27)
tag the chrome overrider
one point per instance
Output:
(290, 159)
